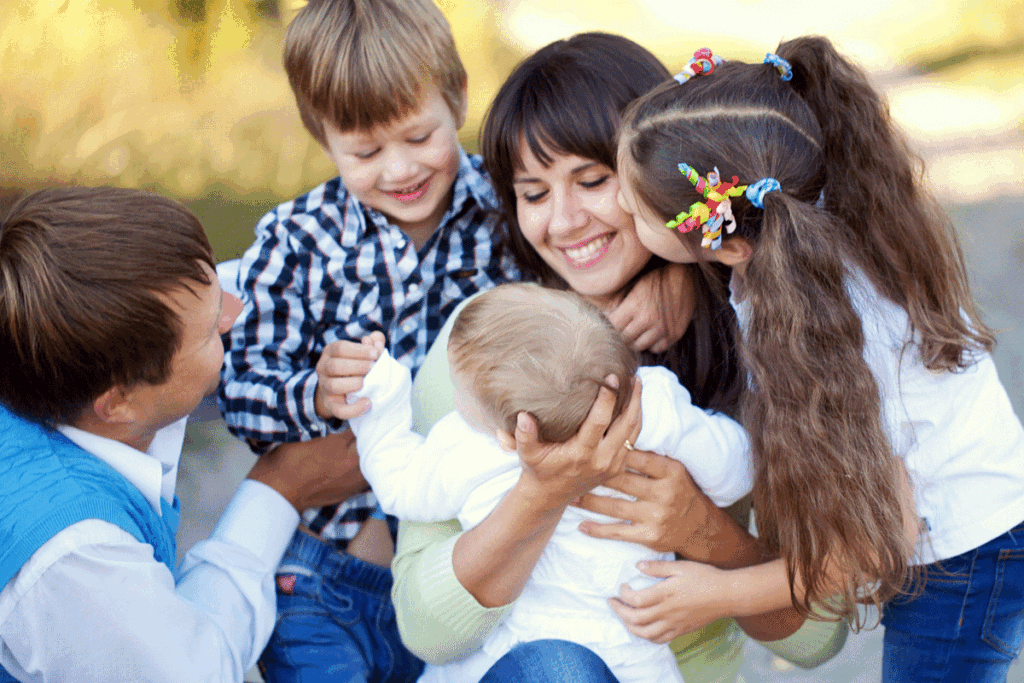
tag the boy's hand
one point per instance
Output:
(340, 371)
(656, 312)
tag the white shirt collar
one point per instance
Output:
(154, 473)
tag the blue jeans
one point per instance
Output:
(968, 623)
(335, 621)
(549, 661)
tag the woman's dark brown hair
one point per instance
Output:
(83, 276)
(827, 484)
(567, 98)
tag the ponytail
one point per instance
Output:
(899, 235)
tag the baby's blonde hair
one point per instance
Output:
(525, 348)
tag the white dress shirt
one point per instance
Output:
(93, 604)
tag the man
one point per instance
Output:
(111, 318)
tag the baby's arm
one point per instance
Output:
(713, 446)
(415, 478)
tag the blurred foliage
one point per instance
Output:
(176, 95)
(188, 97)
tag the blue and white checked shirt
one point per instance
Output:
(323, 268)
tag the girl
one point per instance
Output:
(861, 340)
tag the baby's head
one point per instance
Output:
(523, 348)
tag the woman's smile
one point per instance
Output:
(587, 252)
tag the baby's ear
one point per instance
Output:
(505, 440)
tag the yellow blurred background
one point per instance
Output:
(188, 97)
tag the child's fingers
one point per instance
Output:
(649, 339)
(374, 339)
(351, 349)
(661, 569)
(342, 410)
(339, 387)
(343, 367)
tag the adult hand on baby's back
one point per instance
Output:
(689, 597)
(655, 313)
(340, 371)
(670, 514)
(562, 472)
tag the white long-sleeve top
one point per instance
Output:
(92, 604)
(458, 472)
(956, 432)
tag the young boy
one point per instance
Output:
(391, 245)
(521, 348)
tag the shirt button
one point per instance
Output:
(414, 289)
(409, 326)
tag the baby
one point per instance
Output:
(522, 348)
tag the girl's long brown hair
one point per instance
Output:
(827, 487)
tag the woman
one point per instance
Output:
(549, 145)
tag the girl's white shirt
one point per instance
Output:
(962, 444)
(93, 604)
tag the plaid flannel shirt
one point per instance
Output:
(323, 268)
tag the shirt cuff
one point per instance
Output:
(259, 519)
(300, 402)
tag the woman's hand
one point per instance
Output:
(670, 514)
(689, 597)
(563, 472)
(494, 559)
(657, 310)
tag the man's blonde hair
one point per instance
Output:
(543, 351)
(355, 64)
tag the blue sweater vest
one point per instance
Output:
(48, 483)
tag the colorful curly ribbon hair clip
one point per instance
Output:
(715, 213)
(702, 64)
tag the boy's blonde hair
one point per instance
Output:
(355, 64)
(542, 351)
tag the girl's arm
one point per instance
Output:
(670, 514)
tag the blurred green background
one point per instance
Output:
(188, 97)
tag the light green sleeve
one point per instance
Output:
(813, 644)
(439, 620)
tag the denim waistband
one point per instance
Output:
(325, 560)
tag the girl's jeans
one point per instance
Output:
(335, 621)
(968, 623)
